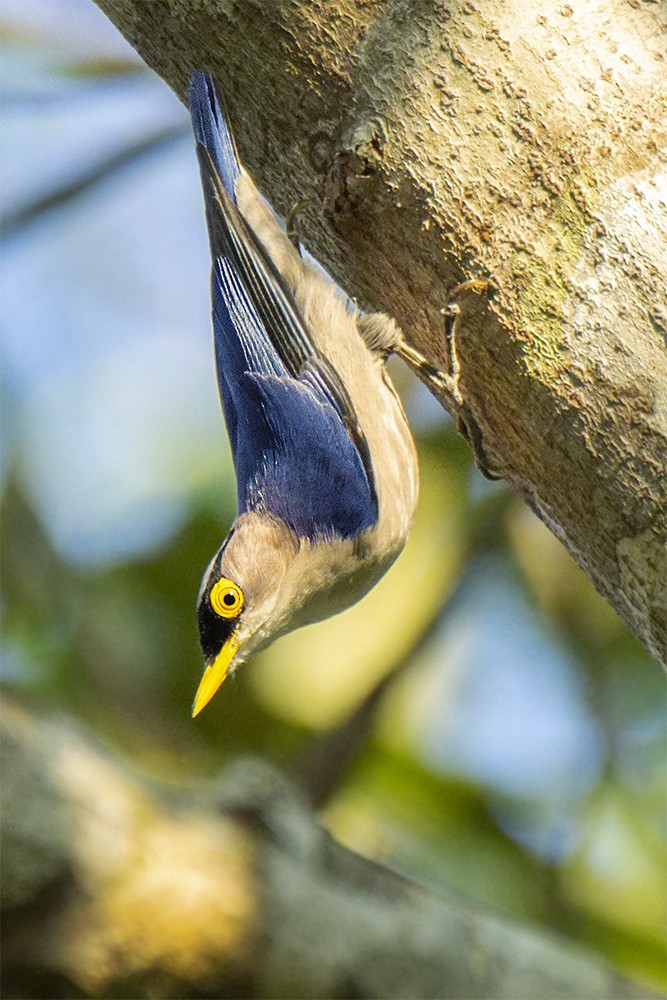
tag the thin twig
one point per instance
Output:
(13, 223)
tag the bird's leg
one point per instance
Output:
(383, 336)
(442, 382)
(290, 222)
(447, 383)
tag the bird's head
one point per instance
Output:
(242, 604)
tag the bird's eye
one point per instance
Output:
(226, 598)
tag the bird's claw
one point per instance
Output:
(466, 421)
(468, 426)
(290, 222)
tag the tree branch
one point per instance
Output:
(110, 885)
(439, 143)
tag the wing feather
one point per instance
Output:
(299, 452)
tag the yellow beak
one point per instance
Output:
(214, 675)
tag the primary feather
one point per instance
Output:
(298, 452)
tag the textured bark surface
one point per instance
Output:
(519, 143)
(114, 888)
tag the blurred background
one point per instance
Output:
(481, 721)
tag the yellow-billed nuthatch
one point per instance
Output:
(325, 463)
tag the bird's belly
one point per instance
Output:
(335, 574)
(341, 573)
(396, 473)
(336, 581)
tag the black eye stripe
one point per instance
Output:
(213, 631)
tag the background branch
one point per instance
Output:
(110, 884)
(16, 221)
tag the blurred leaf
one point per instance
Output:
(560, 588)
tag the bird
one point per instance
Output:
(325, 462)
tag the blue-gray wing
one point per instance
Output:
(298, 450)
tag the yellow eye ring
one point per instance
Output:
(226, 598)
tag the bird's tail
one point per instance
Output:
(209, 121)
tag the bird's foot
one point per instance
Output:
(466, 421)
(447, 383)
(468, 426)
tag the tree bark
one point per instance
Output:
(113, 887)
(498, 141)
